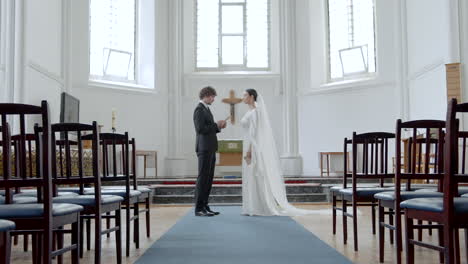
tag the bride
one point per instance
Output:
(263, 188)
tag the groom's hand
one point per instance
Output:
(221, 124)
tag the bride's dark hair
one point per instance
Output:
(253, 93)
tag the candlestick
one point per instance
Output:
(113, 119)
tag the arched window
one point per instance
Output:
(232, 35)
(351, 38)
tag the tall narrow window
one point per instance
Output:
(112, 40)
(351, 38)
(232, 35)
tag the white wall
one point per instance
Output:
(430, 45)
(328, 112)
(414, 40)
(44, 73)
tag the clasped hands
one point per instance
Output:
(248, 157)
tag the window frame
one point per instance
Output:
(135, 82)
(358, 75)
(233, 67)
(3, 36)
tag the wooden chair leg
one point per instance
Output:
(430, 228)
(449, 245)
(345, 221)
(15, 240)
(74, 241)
(88, 234)
(81, 238)
(136, 224)
(148, 219)
(5, 247)
(420, 222)
(97, 238)
(409, 236)
(118, 235)
(127, 228)
(26, 243)
(441, 243)
(108, 223)
(373, 218)
(60, 246)
(355, 227)
(381, 217)
(456, 237)
(391, 216)
(398, 234)
(334, 213)
(34, 249)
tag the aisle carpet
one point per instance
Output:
(233, 238)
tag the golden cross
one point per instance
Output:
(232, 101)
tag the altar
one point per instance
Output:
(229, 158)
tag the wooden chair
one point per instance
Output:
(419, 149)
(146, 193)
(335, 190)
(5, 244)
(72, 172)
(43, 218)
(371, 149)
(450, 212)
(111, 144)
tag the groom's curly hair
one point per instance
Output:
(207, 91)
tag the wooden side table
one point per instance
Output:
(145, 154)
(327, 156)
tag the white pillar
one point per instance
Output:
(175, 161)
(291, 159)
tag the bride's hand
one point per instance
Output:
(248, 157)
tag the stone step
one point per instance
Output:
(235, 199)
(176, 181)
(230, 189)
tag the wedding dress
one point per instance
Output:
(263, 187)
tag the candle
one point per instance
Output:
(113, 119)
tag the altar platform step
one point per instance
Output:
(230, 189)
(235, 199)
(219, 180)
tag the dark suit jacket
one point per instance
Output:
(206, 130)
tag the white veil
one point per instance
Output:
(269, 164)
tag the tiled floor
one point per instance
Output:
(163, 218)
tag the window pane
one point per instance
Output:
(257, 34)
(364, 29)
(351, 24)
(233, 19)
(233, 50)
(112, 27)
(207, 33)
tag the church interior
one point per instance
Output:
(366, 101)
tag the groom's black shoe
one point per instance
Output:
(209, 211)
(203, 213)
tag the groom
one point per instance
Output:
(206, 147)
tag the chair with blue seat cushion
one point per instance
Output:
(370, 150)
(71, 154)
(146, 193)
(117, 169)
(335, 190)
(43, 218)
(462, 190)
(419, 149)
(5, 245)
(450, 212)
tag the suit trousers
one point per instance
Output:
(206, 167)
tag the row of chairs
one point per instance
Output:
(51, 186)
(442, 206)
